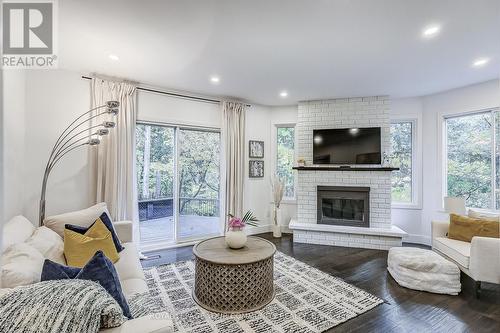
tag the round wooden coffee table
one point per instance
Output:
(233, 281)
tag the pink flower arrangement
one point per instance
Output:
(237, 223)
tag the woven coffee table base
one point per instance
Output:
(233, 288)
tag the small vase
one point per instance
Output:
(236, 238)
(277, 223)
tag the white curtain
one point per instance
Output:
(113, 160)
(233, 138)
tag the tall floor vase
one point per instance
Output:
(277, 223)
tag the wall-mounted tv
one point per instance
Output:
(347, 146)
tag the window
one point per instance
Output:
(402, 147)
(178, 182)
(285, 144)
(472, 158)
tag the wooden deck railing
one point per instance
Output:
(156, 208)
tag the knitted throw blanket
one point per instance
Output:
(73, 306)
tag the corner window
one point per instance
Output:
(402, 152)
(472, 158)
(285, 146)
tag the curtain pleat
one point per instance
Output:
(233, 134)
(113, 160)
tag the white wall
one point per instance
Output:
(13, 141)
(160, 108)
(257, 191)
(53, 99)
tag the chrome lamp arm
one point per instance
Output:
(71, 138)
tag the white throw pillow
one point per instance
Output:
(17, 230)
(21, 265)
(483, 214)
(49, 244)
(82, 218)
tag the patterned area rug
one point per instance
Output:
(307, 300)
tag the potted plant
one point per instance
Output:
(278, 188)
(235, 236)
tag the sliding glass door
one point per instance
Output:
(178, 176)
(199, 183)
(155, 164)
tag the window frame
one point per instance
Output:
(416, 161)
(274, 159)
(443, 150)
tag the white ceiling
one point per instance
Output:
(313, 49)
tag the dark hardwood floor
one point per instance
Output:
(405, 310)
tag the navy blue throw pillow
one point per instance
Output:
(107, 222)
(99, 269)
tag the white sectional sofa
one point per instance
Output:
(20, 230)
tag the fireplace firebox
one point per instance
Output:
(344, 205)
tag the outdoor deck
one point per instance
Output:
(157, 231)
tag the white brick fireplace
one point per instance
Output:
(344, 113)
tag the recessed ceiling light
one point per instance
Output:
(113, 57)
(480, 62)
(283, 94)
(214, 79)
(431, 31)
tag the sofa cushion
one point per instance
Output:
(454, 249)
(83, 218)
(48, 243)
(463, 228)
(99, 269)
(104, 218)
(17, 230)
(129, 266)
(483, 214)
(134, 286)
(21, 265)
(79, 249)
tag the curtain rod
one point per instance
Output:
(202, 99)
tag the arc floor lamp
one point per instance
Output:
(76, 135)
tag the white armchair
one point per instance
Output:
(479, 259)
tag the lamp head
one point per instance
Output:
(102, 131)
(113, 111)
(108, 124)
(94, 141)
(112, 104)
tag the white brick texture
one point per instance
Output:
(344, 113)
(341, 113)
(346, 240)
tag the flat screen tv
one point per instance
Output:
(347, 146)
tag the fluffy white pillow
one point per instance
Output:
(483, 214)
(17, 230)
(49, 244)
(83, 218)
(21, 265)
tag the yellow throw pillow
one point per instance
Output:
(79, 249)
(463, 228)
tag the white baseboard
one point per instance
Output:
(259, 230)
(418, 239)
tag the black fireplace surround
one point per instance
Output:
(344, 205)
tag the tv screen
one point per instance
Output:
(347, 146)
